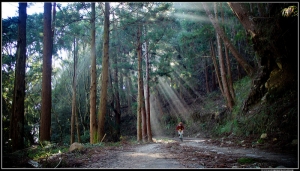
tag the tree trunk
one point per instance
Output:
(104, 81)
(45, 123)
(248, 68)
(142, 129)
(75, 82)
(128, 92)
(222, 66)
(216, 67)
(275, 43)
(93, 90)
(117, 110)
(17, 117)
(73, 97)
(229, 76)
(149, 132)
(242, 14)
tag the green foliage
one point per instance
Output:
(291, 11)
(85, 137)
(226, 128)
(9, 31)
(260, 141)
(237, 124)
(242, 88)
(245, 160)
(37, 152)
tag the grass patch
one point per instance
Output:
(245, 160)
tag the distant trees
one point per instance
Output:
(247, 67)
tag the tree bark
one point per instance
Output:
(222, 66)
(104, 81)
(45, 124)
(75, 82)
(248, 68)
(149, 132)
(93, 90)
(128, 92)
(142, 129)
(216, 67)
(17, 117)
(116, 90)
(275, 43)
(242, 14)
(73, 97)
(229, 76)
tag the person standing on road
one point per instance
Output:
(180, 129)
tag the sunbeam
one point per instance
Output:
(178, 106)
(191, 17)
(156, 128)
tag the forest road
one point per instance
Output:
(191, 153)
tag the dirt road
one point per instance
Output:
(192, 153)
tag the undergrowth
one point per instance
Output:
(232, 123)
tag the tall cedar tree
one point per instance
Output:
(45, 124)
(147, 92)
(104, 81)
(93, 123)
(117, 108)
(17, 117)
(139, 107)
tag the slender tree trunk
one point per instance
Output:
(122, 82)
(143, 112)
(73, 96)
(240, 11)
(111, 103)
(248, 68)
(222, 66)
(149, 132)
(93, 90)
(104, 81)
(18, 111)
(129, 94)
(116, 94)
(142, 129)
(53, 21)
(216, 67)
(45, 123)
(229, 76)
(75, 82)
(117, 106)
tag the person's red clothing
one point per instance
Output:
(179, 127)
